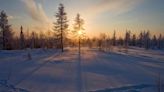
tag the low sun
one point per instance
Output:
(79, 32)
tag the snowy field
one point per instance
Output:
(135, 70)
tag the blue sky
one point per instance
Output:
(99, 15)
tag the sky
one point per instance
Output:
(100, 16)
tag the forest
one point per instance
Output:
(59, 37)
(66, 59)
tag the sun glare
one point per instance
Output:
(79, 32)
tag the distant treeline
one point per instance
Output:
(143, 40)
(58, 37)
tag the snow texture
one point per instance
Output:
(92, 71)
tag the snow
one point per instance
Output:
(92, 71)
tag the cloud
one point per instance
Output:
(10, 17)
(113, 6)
(36, 12)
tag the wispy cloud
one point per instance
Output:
(10, 17)
(95, 8)
(113, 6)
(37, 13)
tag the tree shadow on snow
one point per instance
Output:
(132, 88)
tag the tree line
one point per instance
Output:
(58, 37)
(143, 40)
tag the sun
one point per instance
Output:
(79, 32)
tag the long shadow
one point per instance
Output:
(79, 74)
(33, 71)
(132, 88)
(5, 87)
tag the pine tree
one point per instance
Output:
(42, 40)
(147, 40)
(32, 44)
(114, 38)
(6, 31)
(154, 42)
(22, 43)
(127, 38)
(160, 41)
(140, 40)
(61, 26)
(78, 27)
(120, 41)
(1, 39)
(103, 37)
(134, 40)
(99, 44)
(27, 39)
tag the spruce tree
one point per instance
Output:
(114, 38)
(147, 40)
(127, 38)
(160, 41)
(134, 40)
(22, 43)
(61, 26)
(32, 44)
(140, 40)
(154, 42)
(78, 27)
(6, 31)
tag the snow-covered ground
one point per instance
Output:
(49, 70)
